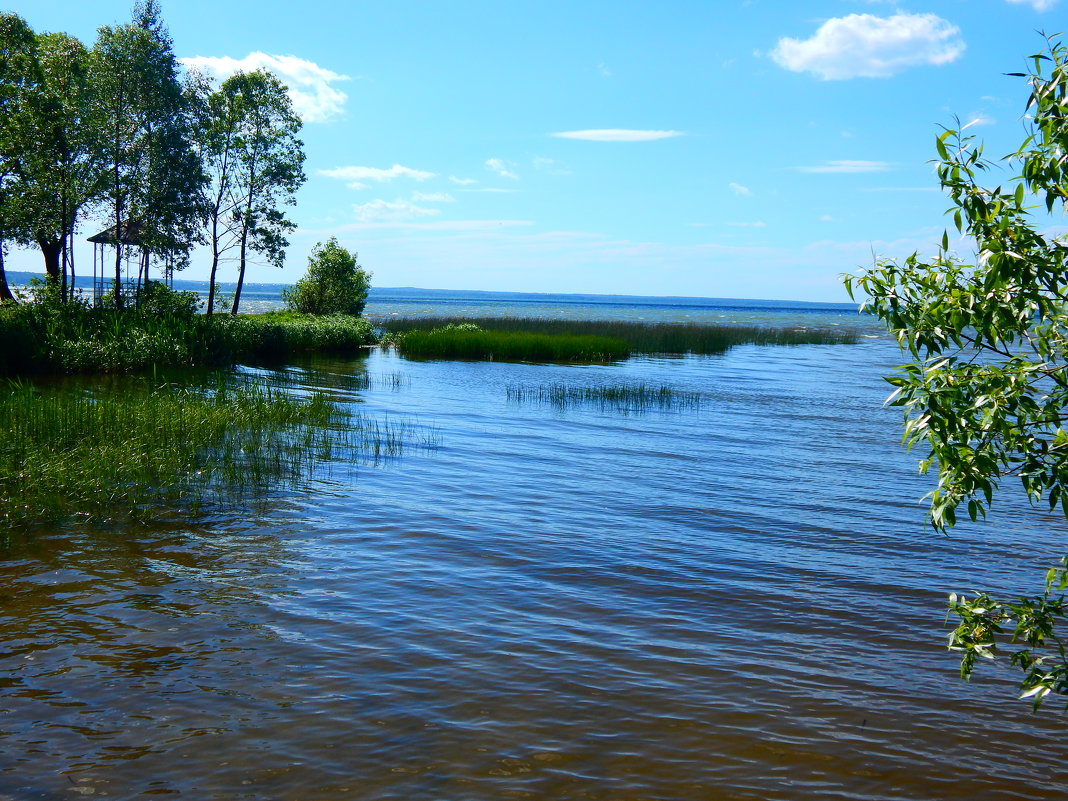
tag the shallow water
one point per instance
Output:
(733, 602)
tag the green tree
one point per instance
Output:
(19, 79)
(216, 129)
(154, 174)
(986, 397)
(334, 283)
(269, 161)
(62, 173)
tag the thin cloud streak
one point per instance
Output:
(617, 135)
(376, 173)
(847, 167)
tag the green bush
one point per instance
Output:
(334, 283)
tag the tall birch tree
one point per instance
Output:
(269, 161)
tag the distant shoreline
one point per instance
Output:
(20, 278)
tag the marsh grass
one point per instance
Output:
(50, 337)
(140, 451)
(451, 342)
(281, 334)
(622, 398)
(642, 337)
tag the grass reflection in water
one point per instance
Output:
(622, 398)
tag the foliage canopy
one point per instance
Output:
(334, 283)
(986, 395)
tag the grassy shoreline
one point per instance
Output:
(42, 339)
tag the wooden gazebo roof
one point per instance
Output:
(130, 234)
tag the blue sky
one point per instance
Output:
(751, 149)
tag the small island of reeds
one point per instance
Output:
(454, 337)
(467, 341)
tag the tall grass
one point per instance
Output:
(280, 334)
(623, 398)
(642, 337)
(47, 334)
(51, 337)
(450, 342)
(135, 452)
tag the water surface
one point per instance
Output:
(734, 602)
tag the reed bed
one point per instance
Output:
(57, 338)
(140, 452)
(467, 342)
(622, 398)
(640, 337)
(280, 334)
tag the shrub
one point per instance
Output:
(334, 283)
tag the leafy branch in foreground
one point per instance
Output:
(987, 392)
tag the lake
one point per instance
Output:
(737, 600)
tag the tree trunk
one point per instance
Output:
(214, 256)
(241, 269)
(51, 250)
(5, 290)
(118, 238)
(70, 256)
(63, 254)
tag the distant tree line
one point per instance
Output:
(118, 133)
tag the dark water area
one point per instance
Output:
(733, 601)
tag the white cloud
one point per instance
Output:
(500, 167)
(979, 119)
(551, 166)
(462, 181)
(492, 191)
(313, 96)
(390, 211)
(866, 46)
(617, 135)
(432, 197)
(848, 166)
(826, 218)
(360, 174)
(738, 189)
(604, 71)
(757, 224)
(436, 225)
(1037, 5)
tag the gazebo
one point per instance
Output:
(130, 234)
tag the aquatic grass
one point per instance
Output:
(450, 342)
(57, 338)
(280, 334)
(641, 337)
(622, 398)
(136, 452)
